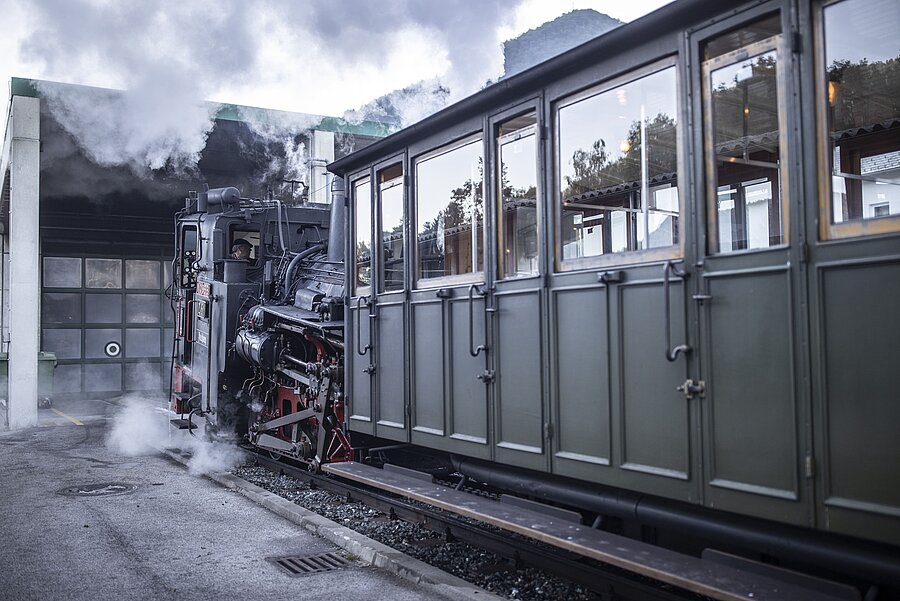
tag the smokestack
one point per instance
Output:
(338, 220)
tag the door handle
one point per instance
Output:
(473, 350)
(189, 322)
(672, 353)
(359, 304)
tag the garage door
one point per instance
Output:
(109, 323)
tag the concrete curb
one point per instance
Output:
(368, 550)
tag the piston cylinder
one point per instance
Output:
(258, 349)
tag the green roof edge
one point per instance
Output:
(20, 86)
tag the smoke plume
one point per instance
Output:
(170, 55)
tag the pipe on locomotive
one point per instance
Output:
(338, 217)
(289, 273)
(845, 556)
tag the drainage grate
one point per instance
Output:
(300, 565)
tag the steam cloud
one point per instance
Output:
(170, 55)
(142, 428)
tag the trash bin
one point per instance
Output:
(46, 365)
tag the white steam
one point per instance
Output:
(171, 55)
(142, 428)
(144, 128)
(281, 134)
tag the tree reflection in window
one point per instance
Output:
(746, 147)
(517, 211)
(390, 204)
(862, 62)
(618, 148)
(450, 212)
(362, 201)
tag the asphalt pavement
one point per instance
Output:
(79, 520)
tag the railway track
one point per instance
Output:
(606, 582)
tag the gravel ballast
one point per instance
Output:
(472, 564)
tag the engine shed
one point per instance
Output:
(87, 246)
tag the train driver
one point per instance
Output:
(240, 249)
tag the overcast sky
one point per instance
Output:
(320, 57)
(316, 57)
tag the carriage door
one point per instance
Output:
(389, 310)
(518, 298)
(360, 356)
(451, 379)
(618, 419)
(746, 284)
(854, 275)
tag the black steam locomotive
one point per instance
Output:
(259, 307)
(655, 279)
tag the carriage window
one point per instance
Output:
(362, 220)
(517, 211)
(862, 90)
(618, 168)
(390, 206)
(450, 212)
(743, 146)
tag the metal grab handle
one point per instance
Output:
(365, 349)
(189, 325)
(473, 350)
(672, 353)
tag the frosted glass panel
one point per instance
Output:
(142, 308)
(103, 308)
(103, 377)
(142, 342)
(103, 343)
(66, 343)
(62, 272)
(61, 307)
(142, 376)
(142, 274)
(103, 273)
(67, 378)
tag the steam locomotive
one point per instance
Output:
(259, 306)
(622, 281)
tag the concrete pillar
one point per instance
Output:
(24, 260)
(321, 153)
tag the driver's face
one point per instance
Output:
(241, 251)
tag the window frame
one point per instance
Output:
(420, 283)
(498, 222)
(775, 44)
(355, 182)
(627, 257)
(827, 229)
(378, 188)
